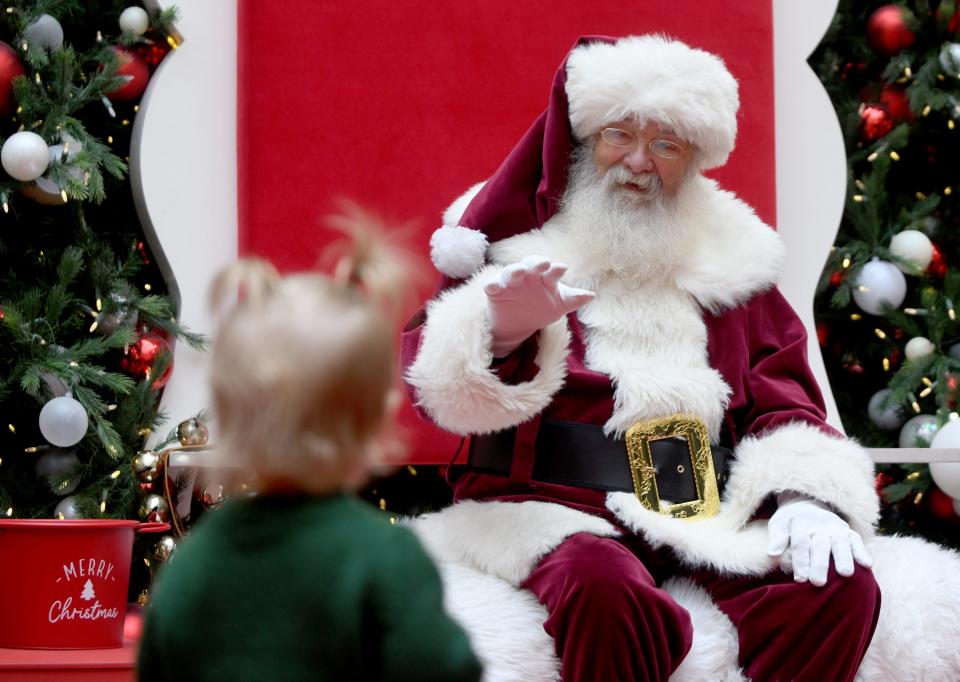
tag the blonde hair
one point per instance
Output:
(303, 366)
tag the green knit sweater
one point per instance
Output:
(301, 588)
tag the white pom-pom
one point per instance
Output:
(457, 251)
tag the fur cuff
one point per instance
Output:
(452, 375)
(800, 457)
(505, 539)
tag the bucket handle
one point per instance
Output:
(152, 527)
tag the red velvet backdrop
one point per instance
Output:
(403, 105)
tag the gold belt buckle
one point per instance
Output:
(638, 439)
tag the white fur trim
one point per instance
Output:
(505, 627)
(919, 627)
(719, 544)
(652, 78)
(456, 251)
(800, 457)
(796, 457)
(733, 256)
(455, 211)
(504, 624)
(505, 539)
(452, 375)
(716, 646)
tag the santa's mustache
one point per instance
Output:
(621, 175)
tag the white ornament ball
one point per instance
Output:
(887, 416)
(918, 347)
(63, 421)
(45, 31)
(134, 21)
(919, 431)
(950, 58)
(913, 246)
(24, 156)
(54, 466)
(947, 474)
(879, 286)
(67, 508)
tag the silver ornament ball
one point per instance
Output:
(58, 465)
(950, 59)
(192, 432)
(24, 156)
(919, 431)
(154, 509)
(45, 31)
(212, 496)
(67, 508)
(164, 548)
(146, 466)
(134, 21)
(63, 421)
(885, 414)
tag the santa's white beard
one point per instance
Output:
(635, 234)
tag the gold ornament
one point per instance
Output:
(153, 508)
(192, 432)
(146, 466)
(164, 548)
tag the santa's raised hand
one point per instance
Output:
(525, 298)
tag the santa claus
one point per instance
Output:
(636, 389)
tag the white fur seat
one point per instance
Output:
(916, 638)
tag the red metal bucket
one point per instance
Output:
(63, 583)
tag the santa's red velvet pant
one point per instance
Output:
(611, 621)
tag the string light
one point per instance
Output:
(894, 155)
(908, 72)
(914, 404)
(858, 198)
(951, 125)
(32, 449)
(886, 364)
(873, 157)
(880, 333)
(383, 504)
(927, 391)
(863, 288)
(147, 287)
(926, 111)
(856, 317)
(846, 262)
(9, 511)
(922, 312)
(920, 196)
(859, 183)
(918, 498)
(948, 190)
(913, 476)
(412, 470)
(115, 475)
(12, 428)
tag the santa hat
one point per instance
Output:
(602, 80)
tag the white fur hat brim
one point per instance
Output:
(653, 78)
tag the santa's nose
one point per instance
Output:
(638, 159)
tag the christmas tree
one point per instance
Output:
(887, 299)
(87, 328)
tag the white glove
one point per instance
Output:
(527, 297)
(812, 533)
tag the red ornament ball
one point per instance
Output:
(951, 383)
(875, 122)
(887, 30)
(152, 53)
(895, 100)
(823, 333)
(836, 278)
(882, 481)
(938, 265)
(143, 356)
(10, 68)
(939, 504)
(136, 72)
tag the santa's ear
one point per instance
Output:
(458, 251)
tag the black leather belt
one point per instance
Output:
(569, 453)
